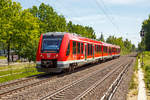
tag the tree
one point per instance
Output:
(50, 21)
(126, 46)
(28, 34)
(146, 27)
(21, 29)
(9, 14)
(101, 38)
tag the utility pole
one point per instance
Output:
(142, 37)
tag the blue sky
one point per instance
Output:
(121, 18)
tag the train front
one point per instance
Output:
(48, 51)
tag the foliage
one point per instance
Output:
(101, 38)
(20, 29)
(126, 46)
(22, 71)
(134, 80)
(2, 57)
(145, 43)
(146, 69)
(50, 21)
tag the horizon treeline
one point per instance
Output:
(20, 29)
(145, 42)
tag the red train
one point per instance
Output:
(60, 51)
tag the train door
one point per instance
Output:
(85, 51)
(102, 48)
(93, 51)
(110, 51)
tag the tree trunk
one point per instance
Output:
(8, 52)
(12, 57)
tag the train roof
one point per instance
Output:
(54, 33)
(73, 36)
(111, 45)
(76, 37)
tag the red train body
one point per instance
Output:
(62, 51)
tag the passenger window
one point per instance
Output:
(104, 49)
(88, 49)
(68, 49)
(79, 47)
(82, 48)
(100, 49)
(97, 49)
(74, 47)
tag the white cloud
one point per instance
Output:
(129, 26)
(91, 20)
(125, 2)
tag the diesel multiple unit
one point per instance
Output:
(60, 51)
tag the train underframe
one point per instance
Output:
(54, 66)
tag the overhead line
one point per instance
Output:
(109, 18)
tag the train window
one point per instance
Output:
(81, 48)
(78, 47)
(91, 49)
(95, 48)
(88, 49)
(68, 49)
(104, 49)
(74, 47)
(100, 48)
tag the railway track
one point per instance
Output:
(112, 89)
(23, 84)
(20, 85)
(12, 92)
(80, 88)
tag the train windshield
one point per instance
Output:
(51, 44)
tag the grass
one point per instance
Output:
(24, 71)
(146, 69)
(134, 80)
(133, 85)
(136, 65)
(15, 66)
(2, 57)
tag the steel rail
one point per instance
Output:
(81, 96)
(58, 92)
(112, 89)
